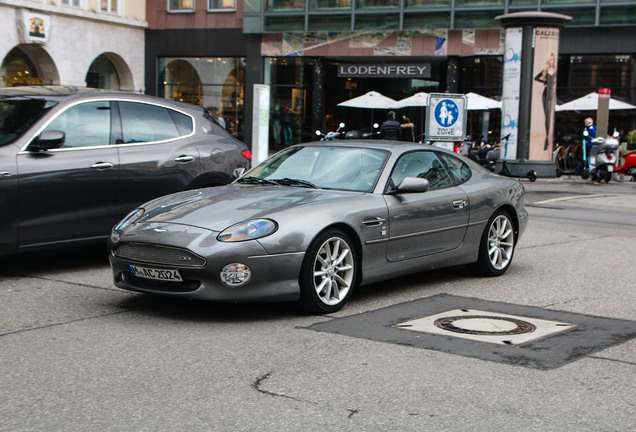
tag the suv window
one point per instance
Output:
(146, 123)
(458, 169)
(84, 125)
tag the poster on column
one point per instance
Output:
(511, 89)
(546, 54)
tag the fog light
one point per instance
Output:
(236, 274)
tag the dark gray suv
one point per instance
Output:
(74, 161)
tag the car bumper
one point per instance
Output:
(274, 277)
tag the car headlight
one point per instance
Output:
(248, 230)
(132, 217)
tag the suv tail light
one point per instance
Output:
(247, 154)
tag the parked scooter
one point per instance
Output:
(629, 167)
(363, 133)
(602, 159)
(330, 136)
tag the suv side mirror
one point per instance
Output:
(49, 139)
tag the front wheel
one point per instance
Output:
(497, 246)
(328, 273)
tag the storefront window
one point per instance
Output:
(377, 22)
(439, 20)
(102, 74)
(426, 3)
(618, 15)
(221, 5)
(550, 2)
(478, 2)
(288, 100)
(329, 23)
(180, 5)
(285, 5)
(284, 24)
(329, 4)
(377, 4)
(214, 83)
(480, 19)
(581, 16)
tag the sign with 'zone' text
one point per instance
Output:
(446, 117)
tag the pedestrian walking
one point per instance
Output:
(390, 129)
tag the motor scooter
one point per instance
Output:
(602, 159)
(363, 133)
(330, 136)
(629, 167)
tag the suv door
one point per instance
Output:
(8, 198)
(155, 153)
(70, 192)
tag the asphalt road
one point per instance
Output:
(76, 354)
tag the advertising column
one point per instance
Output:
(529, 92)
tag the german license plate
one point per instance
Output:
(155, 274)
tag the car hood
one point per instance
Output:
(220, 207)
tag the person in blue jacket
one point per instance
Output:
(588, 134)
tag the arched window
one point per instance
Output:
(102, 74)
(18, 70)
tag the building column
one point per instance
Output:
(318, 97)
(452, 75)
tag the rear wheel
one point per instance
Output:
(607, 176)
(497, 246)
(328, 273)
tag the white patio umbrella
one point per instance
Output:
(477, 102)
(417, 100)
(589, 102)
(372, 100)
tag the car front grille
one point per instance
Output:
(155, 254)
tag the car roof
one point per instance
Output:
(373, 144)
(60, 93)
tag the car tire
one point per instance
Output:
(497, 246)
(328, 273)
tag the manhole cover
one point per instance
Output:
(485, 326)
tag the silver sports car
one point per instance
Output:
(316, 220)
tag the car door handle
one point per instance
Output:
(5, 174)
(184, 159)
(101, 166)
(459, 204)
(371, 222)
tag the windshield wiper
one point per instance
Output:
(255, 180)
(295, 182)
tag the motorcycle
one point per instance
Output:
(602, 159)
(330, 136)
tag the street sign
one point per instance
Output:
(446, 117)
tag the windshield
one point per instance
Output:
(17, 115)
(324, 167)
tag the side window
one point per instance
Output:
(84, 125)
(422, 164)
(460, 170)
(142, 122)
